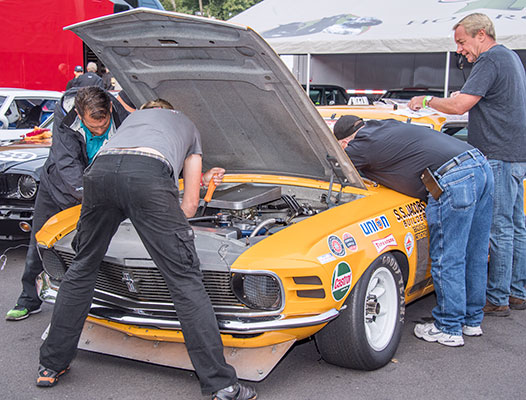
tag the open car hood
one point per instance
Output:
(253, 115)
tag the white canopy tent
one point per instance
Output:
(338, 27)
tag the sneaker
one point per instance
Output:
(236, 392)
(491, 309)
(517, 304)
(20, 312)
(472, 330)
(47, 377)
(430, 333)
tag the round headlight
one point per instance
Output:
(257, 291)
(27, 187)
(53, 264)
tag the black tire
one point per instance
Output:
(366, 334)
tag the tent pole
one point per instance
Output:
(307, 85)
(446, 78)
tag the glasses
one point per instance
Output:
(97, 127)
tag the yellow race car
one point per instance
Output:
(294, 244)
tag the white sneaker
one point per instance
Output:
(430, 333)
(472, 330)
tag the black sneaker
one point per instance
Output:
(236, 392)
(47, 377)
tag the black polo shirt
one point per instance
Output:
(395, 153)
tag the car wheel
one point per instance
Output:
(366, 334)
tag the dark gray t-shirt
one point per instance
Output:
(497, 123)
(395, 154)
(169, 132)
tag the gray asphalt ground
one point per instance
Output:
(489, 367)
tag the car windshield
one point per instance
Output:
(2, 99)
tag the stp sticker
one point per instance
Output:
(336, 246)
(341, 280)
(382, 244)
(326, 258)
(374, 225)
(409, 243)
(349, 241)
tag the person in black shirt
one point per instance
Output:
(396, 154)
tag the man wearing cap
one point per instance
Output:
(90, 78)
(78, 71)
(458, 190)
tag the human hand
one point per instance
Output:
(215, 173)
(416, 103)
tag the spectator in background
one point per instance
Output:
(78, 71)
(89, 78)
(495, 96)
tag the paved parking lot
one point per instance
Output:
(489, 367)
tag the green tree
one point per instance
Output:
(220, 9)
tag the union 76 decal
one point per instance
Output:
(375, 225)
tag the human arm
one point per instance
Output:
(216, 173)
(458, 104)
(192, 179)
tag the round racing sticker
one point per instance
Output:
(16, 156)
(409, 243)
(341, 280)
(349, 241)
(336, 246)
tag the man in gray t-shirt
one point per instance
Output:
(134, 176)
(495, 96)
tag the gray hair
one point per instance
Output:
(91, 67)
(475, 22)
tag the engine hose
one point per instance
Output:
(262, 225)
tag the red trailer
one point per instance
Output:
(35, 53)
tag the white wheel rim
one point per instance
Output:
(380, 309)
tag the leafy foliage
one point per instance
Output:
(220, 9)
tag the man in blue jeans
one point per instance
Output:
(459, 204)
(495, 96)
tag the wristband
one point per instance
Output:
(426, 100)
(202, 183)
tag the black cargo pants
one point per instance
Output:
(141, 188)
(45, 208)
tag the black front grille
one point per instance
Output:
(4, 184)
(146, 284)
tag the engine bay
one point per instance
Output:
(250, 210)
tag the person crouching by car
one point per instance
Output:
(78, 133)
(458, 190)
(141, 165)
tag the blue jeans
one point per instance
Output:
(459, 225)
(507, 262)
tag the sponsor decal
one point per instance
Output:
(384, 243)
(326, 258)
(349, 241)
(16, 156)
(375, 225)
(409, 243)
(341, 280)
(336, 246)
(411, 214)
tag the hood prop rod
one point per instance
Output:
(337, 173)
